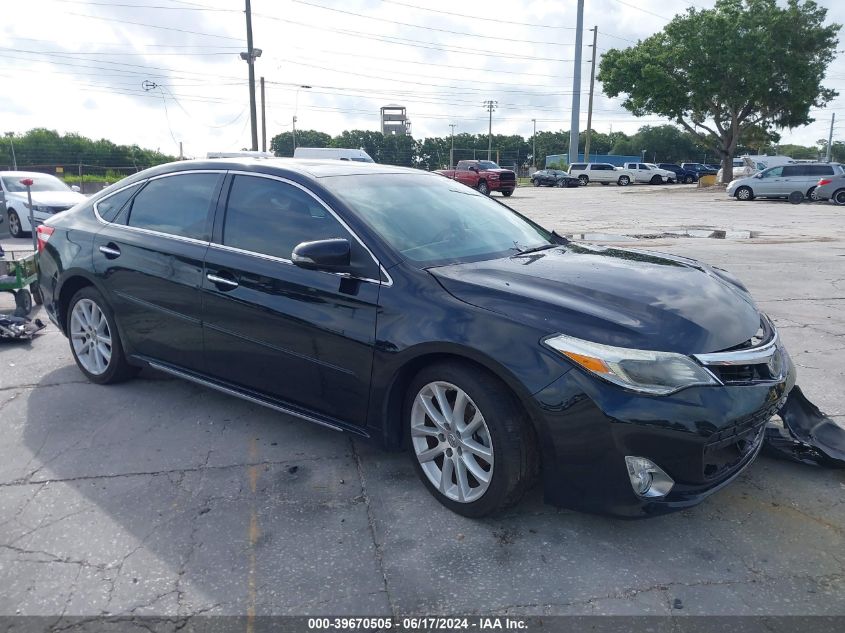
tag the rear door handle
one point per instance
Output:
(111, 251)
(226, 283)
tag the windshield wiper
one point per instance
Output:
(533, 249)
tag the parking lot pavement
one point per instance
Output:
(160, 497)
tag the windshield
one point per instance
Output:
(432, 221)
(487, 164)
(40, 183)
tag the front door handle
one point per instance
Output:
(111, 251)
(222, 283)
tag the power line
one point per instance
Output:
(147, 6)
(155, 26)
(633, 6)
(475, 18)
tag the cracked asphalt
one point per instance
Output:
(159, 497)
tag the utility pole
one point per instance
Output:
(181, 155)
(249, 57)
(263, 119)
(491, 105)
(595, 30)
(11, 136)
(534, 145)
(452, 151)
(294, 132)
(576, 87)
(829, 138)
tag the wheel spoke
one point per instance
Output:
(463, 483)
(424, 431)
(459, 410)
(477, 449)
(432, 413)
(474, 424)
(443, 403)
(446, 475)
(475, 469)
(427, 456)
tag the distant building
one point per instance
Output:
(394, 120)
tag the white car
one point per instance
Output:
(49, 195)
(649, 173)
(605, 173)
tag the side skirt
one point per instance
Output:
(252, 396)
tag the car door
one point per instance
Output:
(771, 183)
(302, 336)
(149, 257)
(465, 175)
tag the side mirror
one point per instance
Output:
(75, 188)
(332, 255)
(758, 175)
(473, 168)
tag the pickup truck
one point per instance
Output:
(605, 173)
(484, 175)
(648, 173)
(686, 176)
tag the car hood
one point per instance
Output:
(613, 296)
(51, 198)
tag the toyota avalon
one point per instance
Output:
(407, 308)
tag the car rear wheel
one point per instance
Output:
(15, 227)
(623, 181)
(688, 180)
(744, 194)
(656, 180)
(811, 195)
(535, 182)
(560, 183)
(839, 197)
(585, 180)
(483, 187)
(471, 443)
(94, 339)
(507, 193)
(605, 184)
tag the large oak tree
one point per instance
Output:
(720, 72)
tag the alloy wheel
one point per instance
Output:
(90, 336)
(15, 228)
(451, 442)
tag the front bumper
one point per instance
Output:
(499, 185)
(703, 437)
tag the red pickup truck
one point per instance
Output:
(484, 175)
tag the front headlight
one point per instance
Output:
(657, 373)
(38, 207)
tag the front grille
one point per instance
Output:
(739, 374)
(507, 176)
(57, 209)
(729, 446)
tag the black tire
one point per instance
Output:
(656, 180)
(605, 184)
(35, 289)
(507, 193)
(623, 181)
(744, 193)
(796, 197)
(560, 183)
(15, 226)
(512, 438)
(811, 195)
(483, 187)
(838, 197)
(535, 182)
(23, 302)
(689, 179)
(585, 180)
(118, 369)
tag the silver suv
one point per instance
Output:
(780, 181)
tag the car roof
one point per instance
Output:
(313, 167)
(23, 174)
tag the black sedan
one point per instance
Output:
(400, 306)
(553, 178)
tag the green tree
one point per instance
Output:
(282, 144)
(718, 72)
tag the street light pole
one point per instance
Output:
(490, 105)
(595, 30)
(249, 57)
(11, 136)
(295, 108)
(574, 137)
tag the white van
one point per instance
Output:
(337, 153)
(241, 154)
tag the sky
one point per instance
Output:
(159, 72)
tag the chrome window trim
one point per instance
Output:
(754, 356)
(387, 282)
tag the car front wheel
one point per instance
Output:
(688, 180)
(15, 227)
(623, 181)
(744, 194)
(94, 339)
(483, 187)
(470, 441)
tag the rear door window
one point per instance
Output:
(177, 205)
(109, 208)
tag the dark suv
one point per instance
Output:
(686, 176)
(553, 178)
(400, 306)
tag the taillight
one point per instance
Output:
(825, 181)
(43, 233)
